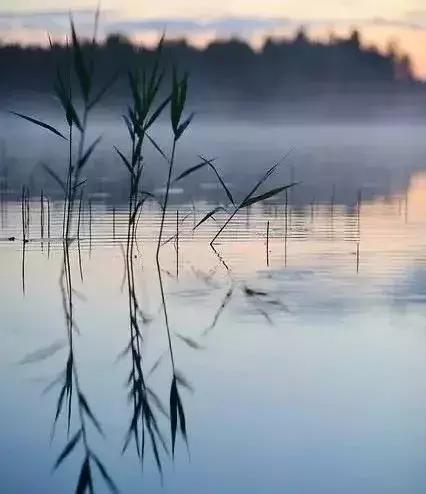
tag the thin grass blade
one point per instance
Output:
(40, 124)
(68, 449)
(253, 200)
(210, 214)
(105, 475)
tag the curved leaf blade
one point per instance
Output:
(43, 353)
(85, 478)
(124, 160)
(157, 113)
(253, 200)
(105, 475)
(89, 413)
(183, 126)
(189, 342)
(54, 176)
(68, 449)
(192, 169)
(80, 65)
(88, 153)
(39, 123)
(210, 214)
(173, 412)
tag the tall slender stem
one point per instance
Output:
(157, 256)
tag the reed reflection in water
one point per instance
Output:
(302, 366)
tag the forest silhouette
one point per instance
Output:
(224, 69)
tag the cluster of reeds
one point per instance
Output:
(78, 151)
(143, 113)
(146, 107)
(71, 393)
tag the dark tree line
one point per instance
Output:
(224, 68)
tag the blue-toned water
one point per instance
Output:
(308, 374)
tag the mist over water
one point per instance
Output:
(347, 154)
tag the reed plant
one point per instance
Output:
(82, 66)
(71, 392)
(142, 113)
(148, 104)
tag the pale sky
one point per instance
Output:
(379, 21)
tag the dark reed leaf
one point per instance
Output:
(176, 411)
(225, 188)
(88, 153)
(142, 447)
(60, 377)
(137, 152)
(133, 118)
(158, 148)
(124, 159)
(80, 66)
(155, 450)
(60, 402)
(173, 412)
(182, 420)
(132, 220)
(40, 124)
(96, 23)
(54, 176)
(170, 239)
(105, 475)
(150, 88)
(151, 421)
(68, 370)
(252, 293)
(148, 194)
(175, 103)
(124, 352)
(187, 215)
(68, 449)
(279, 304)
(157, 363)
(253, 200)
(157, 402)
(43, 353)
(129, 127)
(82, 182)
(246, 199)
(127, 440)
(104, 90)
(183, 381)
(65, 99)
(209, 215)
(224, 303)
(157, 113)
(265, 315)
(154, 82)
(69, 393)
(89, 413)
(183, 90)
(72, 116)
(85, 479)
(134, 84)
(190, 342)
(183, 126)
(190, 170)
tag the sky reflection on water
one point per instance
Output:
(317, 386)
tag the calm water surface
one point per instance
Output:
(310, 379)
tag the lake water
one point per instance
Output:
(309, 370)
